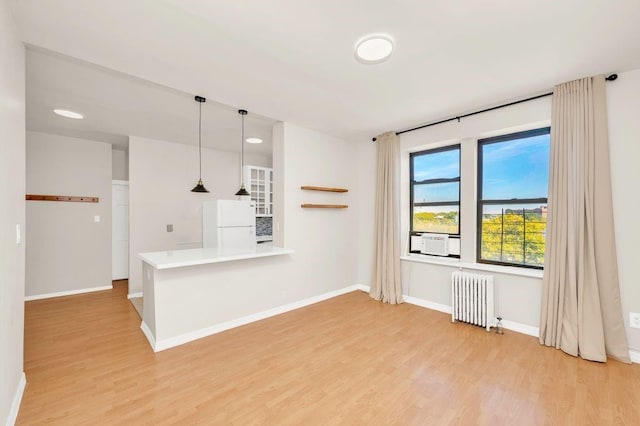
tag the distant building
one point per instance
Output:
(540, 211)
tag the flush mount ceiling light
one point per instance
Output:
(374, 48)
(242, 191)
(199, 186)
(68, 114)
(254, 140)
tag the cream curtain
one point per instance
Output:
(386, 285)
(581, 310)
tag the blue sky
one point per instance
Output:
(512, 169)
(516, 169)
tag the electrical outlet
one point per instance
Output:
(96, 219)
(634, 320)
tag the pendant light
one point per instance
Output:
(243, 190)
(200, 187)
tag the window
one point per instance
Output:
(435, 195)
(513, 176)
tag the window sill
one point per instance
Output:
(456, 263)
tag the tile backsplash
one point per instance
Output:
(263, 226)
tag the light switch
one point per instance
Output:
(18, 234)
(169, 228)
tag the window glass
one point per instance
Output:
(435, 195)
(512, 198)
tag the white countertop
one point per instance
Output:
(203, 256)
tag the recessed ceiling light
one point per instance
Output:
(69, 114)
(374, 48)
(254, 140)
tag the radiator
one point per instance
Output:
(472, 299)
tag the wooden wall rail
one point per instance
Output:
(324, 206)
(69, 198)
(323, 188)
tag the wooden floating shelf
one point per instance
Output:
(67, 198)
(324, 206)
(323, 188)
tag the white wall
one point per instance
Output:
(366, 193)
(66, 250)
(161, 175)
(258, 160)
(325, 240)
(12, 190)
(623, 97)
(519, 297)
(119, 165)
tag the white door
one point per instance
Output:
(120, 230)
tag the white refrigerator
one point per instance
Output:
(229, 225)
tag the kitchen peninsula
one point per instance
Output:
(190, 294)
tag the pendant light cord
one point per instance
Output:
(200, 138)
(242, 154)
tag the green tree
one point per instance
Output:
(514, 237)
(442, 222)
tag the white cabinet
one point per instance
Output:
(259, 182)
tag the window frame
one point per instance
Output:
(412, 184)
(480, 203)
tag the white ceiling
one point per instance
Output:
(116, 105)
(293, 60)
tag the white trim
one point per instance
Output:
(134, 295)
(171, 342)
(17, 399)
(427, 304)
(149, 335)
(508, 325)
(119, 182)
(362, 287)
(635, 356)
(455, 263)
(521, 328)
(68, 293)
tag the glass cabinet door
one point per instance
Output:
(270, 186)
(260, 187)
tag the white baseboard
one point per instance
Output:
(518, 327)
(362, 287)
(134, 295)
(414, 301)
(149, 335)
(160, 345)
(506, 324)
(67, 293)
(17, 399)
(427, 304)
(635, 356)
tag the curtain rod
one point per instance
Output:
(611, 77)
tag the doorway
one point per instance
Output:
(120, 230)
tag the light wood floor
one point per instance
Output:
(348, 360)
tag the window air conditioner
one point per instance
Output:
(435, 244)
